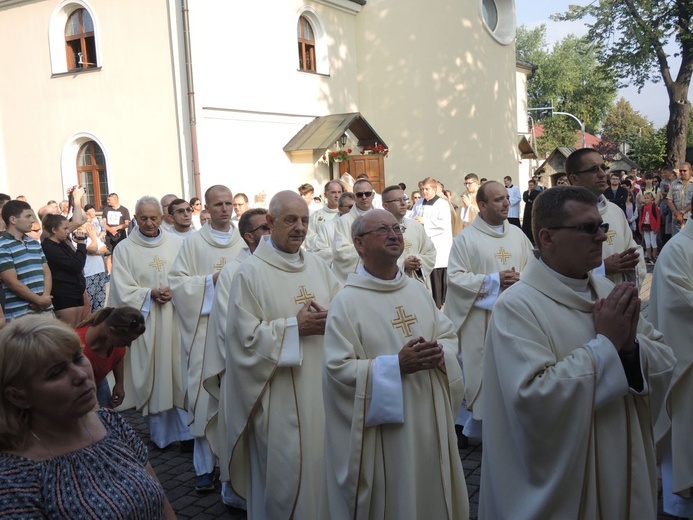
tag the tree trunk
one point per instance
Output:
(677, 127)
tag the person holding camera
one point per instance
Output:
(66, 265)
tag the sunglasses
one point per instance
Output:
(363, 194)
(602, 167)
(264, 227)
(590, 228)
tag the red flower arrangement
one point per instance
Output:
(376, 148)
(338, 156)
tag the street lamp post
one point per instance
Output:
(582, 125)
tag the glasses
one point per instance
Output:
(602, 167)
(398, 201)
(183, 210)
(683, 171)
(198, 204)
(239, 204)
(264, 227)
(365, 194)
(384, 231)
(590, 228)
(346, 206)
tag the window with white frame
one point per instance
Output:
(73, 38)
(312, 42)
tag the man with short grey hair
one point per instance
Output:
(167, 219)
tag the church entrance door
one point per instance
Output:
(372, 165)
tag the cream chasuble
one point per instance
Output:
(213, 365)
(438, 225)
(200, 256)
(317, 219)
(153, 361)
(344, 255)
(275, 415)
(477, 251)
(671, 312)
(557, 444)
(619, 238)
(418, 244)
(325, 239)
(397, 470)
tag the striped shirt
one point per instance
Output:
(26, 257)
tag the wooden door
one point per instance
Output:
(372, 165)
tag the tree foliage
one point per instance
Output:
(623, 124)
(631, 36)
(568, 76)
(649, 150)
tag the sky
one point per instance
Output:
(652, 102)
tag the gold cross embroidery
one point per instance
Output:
(221, 264)
(157, 263)
(407, 246)
(403, 321)
(304, 296)
(503, 255)
(610, 237)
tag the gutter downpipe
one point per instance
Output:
(191, 98)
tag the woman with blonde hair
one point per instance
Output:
(59, 458)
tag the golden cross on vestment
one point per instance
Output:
(221, 264)
(503, 255)
(407, 246)
(403, 321)
(157, 263)
(610, 237)
(304, 296)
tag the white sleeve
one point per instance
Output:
(291, 347)
(146, 307)
(600, 271)
(489, 292)
(387, 402)
(611, 379)
(209, 296)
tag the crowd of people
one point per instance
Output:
(313, 347)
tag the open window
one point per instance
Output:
(79, 40)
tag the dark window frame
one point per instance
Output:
(306, 47)
(92, 175)
(80, 48)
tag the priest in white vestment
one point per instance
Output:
(344, 257)
(275, 415)
(486, 258)
(329, 211)
(434, 213)
(622, 258)
(573, 381)
(419, 254)
(392, 387)
(252, 226)
(192, 279)
(152, 367)
(671, 312)
(325, 234)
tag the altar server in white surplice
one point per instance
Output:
(392, 387)
(486, 258)
(329, 211)
(192, 279)
(573, 381)
(419, 253)
(252, 226)
(275, 327)
(153, 363)
(344, 257)
(671, 312)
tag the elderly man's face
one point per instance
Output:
(332, 193)
(240, 206)
(685, 172)
(380, 242)
(148, 219)
(289, 226)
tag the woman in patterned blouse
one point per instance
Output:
(59, 458)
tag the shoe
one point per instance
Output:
(235, 511)
(462, 439)
(205, 483)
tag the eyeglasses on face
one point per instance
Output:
(365, 194)
(346, 206)
(384, 231)
(180, 211)
(398, 201)
(593, 169)
(264, 227)
(198, 203)
(590, 228)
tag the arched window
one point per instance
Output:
(306, 45)
(91, 173)
(80, 44)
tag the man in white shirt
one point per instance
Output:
(515, 199)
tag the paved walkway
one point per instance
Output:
(175, 468)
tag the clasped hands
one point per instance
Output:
(617, 315)
(161, 295)
(311, 319)
(419, 354)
